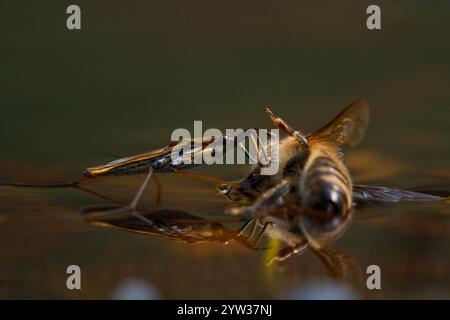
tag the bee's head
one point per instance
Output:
(294, 166)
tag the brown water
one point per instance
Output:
(137, 71)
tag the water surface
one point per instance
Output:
(136, 71)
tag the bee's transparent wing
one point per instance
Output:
(339, 265)
(347, 128)
(365, 194)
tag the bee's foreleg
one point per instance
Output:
(286, 252)
(264, 201)
(261, 233)
(283, 126)
(246, 241)
(241, 230)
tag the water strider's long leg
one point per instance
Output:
(95, 193)
(158, 193)
(133, 205)
(47, 185)
(138, 195)
(213, 180)
(74, 184)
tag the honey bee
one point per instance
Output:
(347, 128)
(311, 200)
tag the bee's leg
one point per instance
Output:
(285, 253)
(242, 229)
(283, 126)
(266, 199)
(261, 233)
(253, 222)
(246, 241)
(253, 229)
(281, 255)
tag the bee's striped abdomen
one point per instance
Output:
(326, 185)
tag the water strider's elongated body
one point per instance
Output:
(159, 160)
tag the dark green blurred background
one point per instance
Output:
(139, 69)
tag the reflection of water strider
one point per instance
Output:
(308, 203)
(185, 227)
